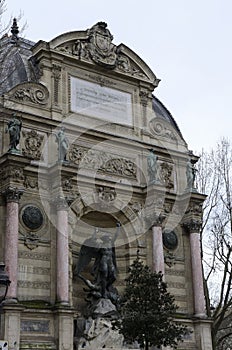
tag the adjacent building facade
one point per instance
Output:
(85, 144)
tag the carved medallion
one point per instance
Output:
(32, 217)
(170, 239)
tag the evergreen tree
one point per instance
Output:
(147, 310)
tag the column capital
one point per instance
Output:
(12, 194)
(61, 203)
(193, 225)
(154, 219)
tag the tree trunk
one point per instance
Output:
(146, 345)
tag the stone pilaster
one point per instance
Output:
(193, 226)
(12, 196)
(62, 251)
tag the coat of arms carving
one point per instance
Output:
(100, 46)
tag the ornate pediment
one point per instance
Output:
(95, 46)
(32, 93)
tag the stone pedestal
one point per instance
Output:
(11, 324)
(64, 328)
(95, 331)
(203, 334)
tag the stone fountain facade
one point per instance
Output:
(123, 160)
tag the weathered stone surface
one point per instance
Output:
(98, 334)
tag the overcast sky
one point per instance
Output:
(187, 44)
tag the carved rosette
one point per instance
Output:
(33, 142)
(193, 225)
(12, 194)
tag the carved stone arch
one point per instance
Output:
(118, 210)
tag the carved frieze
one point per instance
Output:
(120, 166)
(34, 256)
(32, 144)
(34, 284)
(102, 162)
(13, 173)
(30, 92)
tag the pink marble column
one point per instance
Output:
(155, 221)
(12, 195)
(193, 227)
(157, 249)
(62, 252)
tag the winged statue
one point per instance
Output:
(100, 247)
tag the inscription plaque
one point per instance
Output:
(35, 326)
(101, 102)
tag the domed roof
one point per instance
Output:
(163, 113)
(16, 65)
